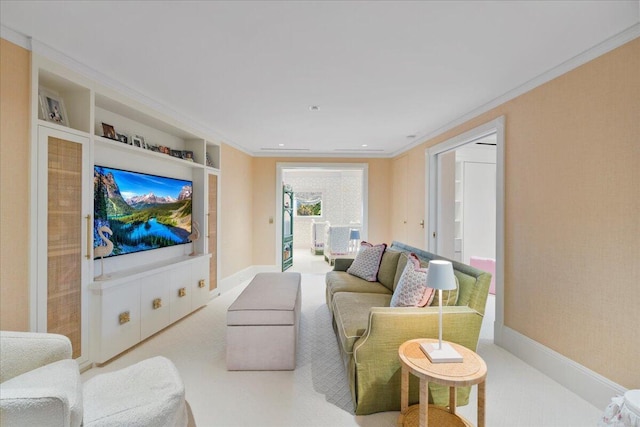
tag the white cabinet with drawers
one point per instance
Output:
(132, 305)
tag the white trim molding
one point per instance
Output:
(15, 37)
(432, 190)
(589, 385)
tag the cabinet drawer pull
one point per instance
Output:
(182, 292)
(157, 303)
(124, 317)
(201, 283)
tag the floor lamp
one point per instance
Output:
(440, 276)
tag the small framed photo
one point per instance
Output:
(164, 150)
(154, 148)
(52, 107)
(122, 138)
(187, 155)
(136, 141)
(176, 153)
(108, 131)
(142, 143)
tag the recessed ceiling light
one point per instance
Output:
(280, 145)
(364, 145)
(314, 108)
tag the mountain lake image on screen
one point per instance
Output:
(143, 211)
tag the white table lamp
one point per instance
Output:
(440, 276)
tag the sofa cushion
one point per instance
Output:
(367, 261)
(351, 313)
(448, 297)
(341, 281)
(40, 389)
(388, 267)
(412, 290)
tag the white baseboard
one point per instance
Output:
(242, 276)
(591, 386)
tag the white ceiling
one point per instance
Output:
(378, 71)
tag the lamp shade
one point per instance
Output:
(354, 234)
(440, 275)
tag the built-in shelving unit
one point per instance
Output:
(458, 213)
(69, 108)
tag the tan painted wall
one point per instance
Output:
(572, 213)
(15, 88)
(571, 232)
(236, 213)
(264, 185)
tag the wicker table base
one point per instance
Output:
(438, 416)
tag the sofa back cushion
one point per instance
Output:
(449, 297)
(388, 266)
(473, 283)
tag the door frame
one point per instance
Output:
(433, 196)
(281, 166)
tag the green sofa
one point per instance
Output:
(369, 332)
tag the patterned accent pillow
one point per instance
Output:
(448, 297)
(367, 261)
(412, 290)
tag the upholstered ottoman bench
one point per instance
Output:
(263, 323)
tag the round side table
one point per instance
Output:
(472, 370)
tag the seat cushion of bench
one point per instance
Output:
(270, 299)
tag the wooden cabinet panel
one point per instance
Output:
(62, 268)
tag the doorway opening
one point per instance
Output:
(323, 193)
(466, 208)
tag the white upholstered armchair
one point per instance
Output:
(40, 386)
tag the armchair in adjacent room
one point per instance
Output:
(40, 385)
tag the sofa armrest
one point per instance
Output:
(392, 326)
(34, 407)
(342, 264)
(375, 354)
(21, 352)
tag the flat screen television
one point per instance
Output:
(143, 211)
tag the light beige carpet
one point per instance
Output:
(317, 392)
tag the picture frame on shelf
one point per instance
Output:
(122, 138)
(209, 161)
(52, 107)
(136, 141)
(176, 153)
(153, 148)
(187, 155)
(109, 131)
(164, 150)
